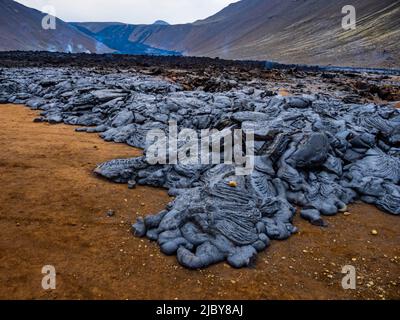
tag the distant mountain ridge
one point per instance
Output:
(116, 36)
(288, 31)
(161, 22)
(21, 29)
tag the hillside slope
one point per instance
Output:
(21, 29)
(289, 31)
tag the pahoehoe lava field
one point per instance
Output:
(325, 142)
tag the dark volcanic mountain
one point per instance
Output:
(161, 22)
(21, 29)
(289, 31)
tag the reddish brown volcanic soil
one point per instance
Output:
(53, 211)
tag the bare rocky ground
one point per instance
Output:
(53, 210)
(252, 88)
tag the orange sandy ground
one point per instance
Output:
(53, 211)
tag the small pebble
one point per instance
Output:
(233, 184)
(110, 213)
(374, 232)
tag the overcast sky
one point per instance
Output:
(131, 11)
